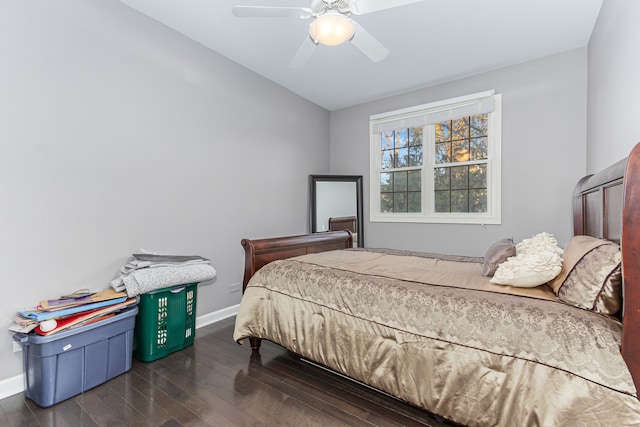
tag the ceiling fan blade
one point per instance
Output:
(303, 54)
(367, 6)
(271, 12)
(368, 44)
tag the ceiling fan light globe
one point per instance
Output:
(331, 29)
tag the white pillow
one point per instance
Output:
(537, 243)
(538, 260)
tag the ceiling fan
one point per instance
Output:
(331, 25)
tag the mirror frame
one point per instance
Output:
(314, 179)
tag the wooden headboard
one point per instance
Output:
(607, 205)
(598, 204)
(343, 223)
(262, 251)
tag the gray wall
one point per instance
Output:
(543, 153)
(614, 84)
(116, 133)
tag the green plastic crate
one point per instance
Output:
(165, 322)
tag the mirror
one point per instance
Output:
(336, 204)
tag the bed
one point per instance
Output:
(432, 331)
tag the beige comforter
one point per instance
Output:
(437, 334)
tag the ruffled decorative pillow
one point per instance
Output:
(539, 243)
(538, 260)
(591, 276)
(496, 254)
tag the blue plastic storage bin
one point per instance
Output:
(65, 364)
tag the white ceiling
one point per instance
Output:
(429, 42)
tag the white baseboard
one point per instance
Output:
(11, 386)
(216, 316)
(15, 385)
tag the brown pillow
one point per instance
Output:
(591, 276)
(496, 255)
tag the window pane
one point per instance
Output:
(387, 140)
(441, 201)
(443, 151)
(469, 139)
(460, 128)
(478, 125)
(478, 201)
(459, 201)
(415, 136)
(478, 148)
(386, 182)
(402, 138)
(443, 131)
(388, 157)
(401, 148)
(442, 178)
(401, 191)
(478, 176)
(402, 161)
(415, 156)
(460, 150)
(460, 189)
(400, 202)
(400, 181)
(386, 202)
(415, 202)
(460, 177)
(414, 180)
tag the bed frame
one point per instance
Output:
(606, 205)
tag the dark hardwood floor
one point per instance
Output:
(217, 382)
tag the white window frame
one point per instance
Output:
(413, 116)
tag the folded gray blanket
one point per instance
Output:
(150, 279)
(146, 272)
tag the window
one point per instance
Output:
(438, 162)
